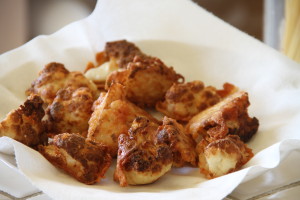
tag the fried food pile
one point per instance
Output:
(80, 121)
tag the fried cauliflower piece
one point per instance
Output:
(112, 116)
(230, 116)
(121, 51)
(181, 144)
(222, 156)
(84, 160)
(25, 123)
(54, 77)
(70, 111)
(116, 55)
(140, 159)
(183, 101)
(146, 79)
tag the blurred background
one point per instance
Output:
(22, 20)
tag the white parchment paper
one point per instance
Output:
(199, 46)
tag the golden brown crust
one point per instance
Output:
(77, 79)
(230, 116)
(70, 111)
(113, 116)
(140, 159)
(25, 123)
(84, 160)
(101, 57)
(43, 85)
(181, 144)
(228, 89)
(122, 50)
(54, 77)
(116, 55)
(183, 101)
(146, 80)
(222, 156)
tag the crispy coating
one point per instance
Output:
(122, 51)
(25, 123)
(112, 116)
(230, 116)
(140, 159)
(84, 160)
(183, 101)
(146, 79)
(70, 111)
(54, 77)
(222, 156)
(100, 99)
(228, 89)
(116, 55)
(181, 144)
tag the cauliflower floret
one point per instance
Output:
(222, 156)
(25, 123)
(140, 159)
(81, 158)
